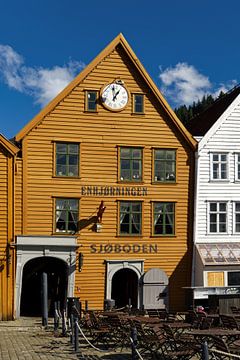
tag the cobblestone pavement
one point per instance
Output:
(26, 339)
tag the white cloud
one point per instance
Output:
(42, 84)
(184, 84)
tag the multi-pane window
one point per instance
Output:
(130, 218)
(163, 218)
(237, 166)
(237, 216)
(217, 217)
(66, 215)
(219, 166)
(91, 101)
(138, 103)
(67, 159)
(130, 164)
(164, 165)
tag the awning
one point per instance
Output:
(219, 253)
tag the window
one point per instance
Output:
(215, 278)
(67, 159)
(233, 278)
(164, 218)
(130, 164)
(237, 217)
(217, 217)
(219, 166)
(237, 166)
(66, 215)
(130, 218)
(164, 165)
(91, 101)
(138, 103)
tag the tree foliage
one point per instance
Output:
(186, 113)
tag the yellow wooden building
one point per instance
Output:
(104, 191)
(8, 153)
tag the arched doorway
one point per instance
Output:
(125, 288)
(56, 270)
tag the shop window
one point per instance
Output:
(66, 215)
(233, 278)
(130, 218)
(164, 165)
(219, 166)
(217, 217)
(91, 101)
(67, 159)
(163, 218)
(130, 164)
(215, 278)
(138, 103)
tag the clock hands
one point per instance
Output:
(115, 95)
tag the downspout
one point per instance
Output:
(195, 217)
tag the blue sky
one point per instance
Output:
(189, 48)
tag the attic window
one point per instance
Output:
(138, 103)
(91, 100)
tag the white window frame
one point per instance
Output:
(218, 202)
(220, 163)
(234, 217)
(237, 164)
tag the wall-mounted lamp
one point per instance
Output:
(80, 261)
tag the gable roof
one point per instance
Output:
(201, 123)
(119, 40)
(10, 147)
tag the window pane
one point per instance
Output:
(163, 218)
(66, 215)
(138, 104)
(164, 165)
(130, 218)
(67, 159)
(131, 164)
(91, 101)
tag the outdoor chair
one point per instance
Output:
(222, 350)
(181, 346)
(120, 331)
(229, 322)
(99, 331)
(149, 340)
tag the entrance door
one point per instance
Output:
(125, 288)
(31, 285)
(155, 289)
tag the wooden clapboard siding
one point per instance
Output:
(223, 138)
(100, 135)
(7, 152)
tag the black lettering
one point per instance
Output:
(133, 191)
(89, 190)
(136, 248)
(127, 191)
(83, 190)
(153, 248)
(93, 249)
(144, 191)
(127, 248)
(118, 191)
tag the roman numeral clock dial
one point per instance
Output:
(114, 96)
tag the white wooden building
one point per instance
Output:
(216, 255)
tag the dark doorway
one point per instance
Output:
(56, 270)
(125, 288)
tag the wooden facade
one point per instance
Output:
(101, 249)
(216, 265)
(7, 168)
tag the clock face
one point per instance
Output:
(114, 96)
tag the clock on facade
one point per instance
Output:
(114, 96)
